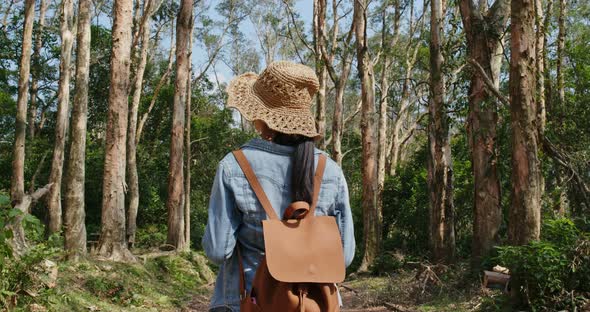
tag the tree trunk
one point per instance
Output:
(525, 214)
(35, 72)
(399, 137)
(440, 172)
(396, 141)
(562, 202)
(484, 47)
(163, 80)
(132, 177)
(319, 24)
(371, 213)
(337, 120)
(17, 182)
(18, 242)
(382, 129)
(175, 202)
(187, 142)
(561, 51)
(540, 66)
(112, 243)
(387, 44)
(546, 64)
(340, 85)
(63, 105)
(75, 213)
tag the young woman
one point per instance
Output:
(284, 158)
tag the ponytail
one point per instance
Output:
(303, 165)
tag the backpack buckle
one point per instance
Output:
(297, 210)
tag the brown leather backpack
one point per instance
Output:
(303, 255)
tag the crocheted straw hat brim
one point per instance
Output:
(243, 97)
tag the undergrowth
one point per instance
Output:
(162, 283)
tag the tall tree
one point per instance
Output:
(525, 213)
(17, 182)
(161, 82)
(175, 202)
(560, 51)
(388, 42)
(36, 68)
(440, 172)
(63, 105)
(187, 143)
(112, 243)
(371, 214)
(484, 28)
(562, 202)
(74, 208)
(150, 7)
(540, 42)
(399, 135)
(340, 80)
(319, 36)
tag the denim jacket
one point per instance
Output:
(235, 215)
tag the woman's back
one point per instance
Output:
(235, 214)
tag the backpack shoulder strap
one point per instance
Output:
(255, 184)
(317, 182)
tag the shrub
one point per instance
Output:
(553, 273)
(18, 274)
(151, 236)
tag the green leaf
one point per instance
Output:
(28, 218)
(4, 200)
(14, 212)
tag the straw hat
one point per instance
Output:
(281, 97)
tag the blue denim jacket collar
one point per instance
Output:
(268, 146)
(272, 147)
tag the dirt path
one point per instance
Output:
(353, 302)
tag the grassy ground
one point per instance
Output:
(184, 283)
(161, 283)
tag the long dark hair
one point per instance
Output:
(303, 164)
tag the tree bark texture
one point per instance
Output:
(440, 172)
(525, 213)
(187, 143)
(175, 202)
(371, 214)
(63, 105)
(74, 208)
(112, 243)
(484, 47)
(35, 72)
(17, 182)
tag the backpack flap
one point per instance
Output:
(307, 250)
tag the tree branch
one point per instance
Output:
(291, 14)
(489, 83)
